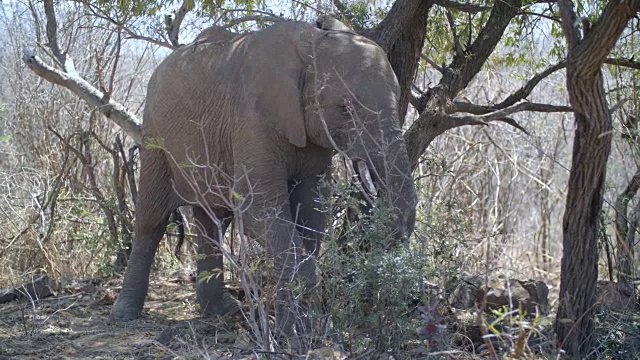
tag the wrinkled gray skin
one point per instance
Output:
(215, 34)
(326, 22)
(252, 107)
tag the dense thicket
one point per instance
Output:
(490, 91)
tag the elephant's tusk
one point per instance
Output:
(365, 177)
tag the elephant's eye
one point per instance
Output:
(347, 106)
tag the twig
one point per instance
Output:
(454, 32)
(432, 63)
(526, 90)
(630, 63)
(100, 14)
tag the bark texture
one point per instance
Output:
(625, 238)
(592, 145)
(455, 77)
(401, 34)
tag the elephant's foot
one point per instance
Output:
(222, 305)
(125, 309)
(293, 321)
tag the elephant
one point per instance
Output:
(242, 127)
(216, 34)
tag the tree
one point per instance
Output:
(592, 145)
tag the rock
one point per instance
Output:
(614, 296)
(531, 296)
(41, 288)
(166, 336)
(465, 294)
(183, 276)
(326, 353)
(105, 297)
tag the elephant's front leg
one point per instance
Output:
(268, 219)
(306, 207)
(210, 283)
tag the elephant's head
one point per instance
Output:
(351, 87)
(349, 99)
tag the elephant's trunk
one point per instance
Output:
(386, 165)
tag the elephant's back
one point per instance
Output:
(190, 112)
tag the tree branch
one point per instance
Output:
(433, 123)
(256, 18)
(622, 228)
(397, 21)
(173, 29)
(629, 63)
(464, 67)
(111, 109)
(454, 33)
(52, 32)
(523, 106)
(569, 23)
(600, 40)
(464, 7)
(526, 90)
(432, 63)
(100, 14)
(466, 107)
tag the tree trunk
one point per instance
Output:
(401, 34)
(579, 273)
(591, 148)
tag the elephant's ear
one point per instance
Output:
(280, 99)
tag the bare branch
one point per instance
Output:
(36, 20)
(101, 14)
(462, 106)
(52, 32)
(544, 16)
(115, 64)
(464, 7)
(132, 35)
(431, 124)
(524, 106)
(526, 90)
(256, 16)
(454, 32)
(174, 29)
(432, 63)
(111, 109)
(629, 63)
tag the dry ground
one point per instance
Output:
(75, 325)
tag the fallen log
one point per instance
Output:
(40, 288)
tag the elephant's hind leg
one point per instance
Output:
(212, 298)
(153, 206)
